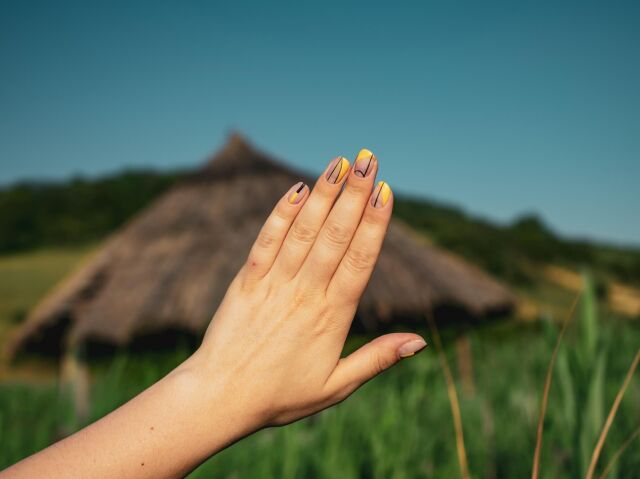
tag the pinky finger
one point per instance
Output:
(267, 245)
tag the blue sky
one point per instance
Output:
(500, 107)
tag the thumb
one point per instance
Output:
(370, 360)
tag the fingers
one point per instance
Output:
(370, 360)
(341, 224)
(353, 273)
(305, 228)
(273, 232)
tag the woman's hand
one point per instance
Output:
(272, 352)
(280, 330)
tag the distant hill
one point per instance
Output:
(36, 215)
(514, 250)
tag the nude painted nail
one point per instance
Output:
(365, 161)
(298, 192)
(381, 194)
(337, 169)
(410, 348)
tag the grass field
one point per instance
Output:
(26, 277)
(397, 426)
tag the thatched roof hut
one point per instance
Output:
(169, 267)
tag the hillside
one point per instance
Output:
(81, 211)
(513, 251)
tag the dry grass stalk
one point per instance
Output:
(618, 453)
(453, 398)
(611, 417)
(547, 388)
(464, 357)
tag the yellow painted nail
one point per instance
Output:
(298, 192)
(381, 194)
(364, 163)
(337, 169)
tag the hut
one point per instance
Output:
(164, 273)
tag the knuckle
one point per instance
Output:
(303, 297)
(358, 188)
(371, 218)
(324, 189)
(252, 267)
(246, 281)
(266, 239)
(330, 322)
(358, 260)
(302, 233)
(282, 214)
(337, 234)
(379, 363)
(345, 291)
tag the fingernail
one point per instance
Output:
(298, 192)
(381, 194)
(364, 163)
(410, 348)
(337, 169)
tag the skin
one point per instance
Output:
(272, 353)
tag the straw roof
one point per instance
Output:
(169, 267)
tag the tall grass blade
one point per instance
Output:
(618, 453)
(547, 388)
(453, 398)
(611, 416)
(593, 410)
(588, 319)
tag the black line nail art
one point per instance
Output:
(361, 173)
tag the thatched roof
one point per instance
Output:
(169, 267)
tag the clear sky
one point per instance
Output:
(502, 108)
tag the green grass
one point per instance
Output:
(26, 277)
(397, 426)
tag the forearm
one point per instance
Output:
(166, 431)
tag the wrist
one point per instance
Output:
(220, 403)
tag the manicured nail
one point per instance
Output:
(298, 192)
(381, 194)
(337, 169)
(410, 348)
(364, 163)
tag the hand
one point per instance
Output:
(277, 337)
(271, 354)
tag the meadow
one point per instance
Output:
(26, 277)
(400, 424)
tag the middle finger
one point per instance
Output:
(340, 226)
